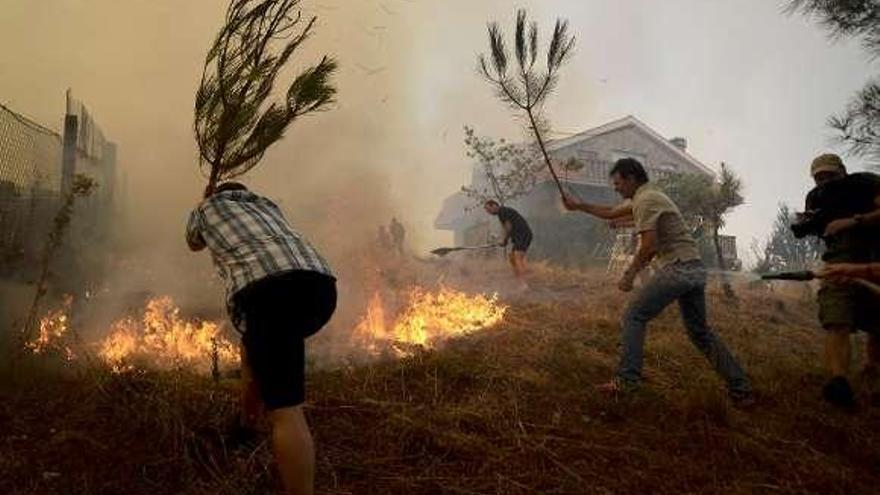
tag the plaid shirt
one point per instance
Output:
(249, 239)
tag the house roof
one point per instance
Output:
(616, 125)
(456, 213)
(458, 209)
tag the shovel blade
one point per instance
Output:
(443, 251)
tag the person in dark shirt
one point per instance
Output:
(849, 208)
(516, 231)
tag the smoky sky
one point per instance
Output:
(744, 84)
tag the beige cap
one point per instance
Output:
(828, 162)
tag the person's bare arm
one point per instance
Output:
(646, 252)
(194, 238)
(615, 212)
(848, 271)
(508, 228)
(622, 212)
(871, 218)
(195, 242)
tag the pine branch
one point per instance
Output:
(235, 123)
(529, 90)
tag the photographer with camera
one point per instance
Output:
(844, 211)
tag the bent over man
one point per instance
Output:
(279, 290)
(516, 231)
(680, 277)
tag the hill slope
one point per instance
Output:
(508, 410)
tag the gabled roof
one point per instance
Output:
(457, 210)
(628, 121)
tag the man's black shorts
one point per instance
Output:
(521, 242)
(279, 312)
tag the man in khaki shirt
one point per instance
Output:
(680, 276)
(653, 210)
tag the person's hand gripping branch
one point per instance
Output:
(570, 203)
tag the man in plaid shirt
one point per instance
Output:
(279, 290)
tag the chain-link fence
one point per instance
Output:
(30, 184)
(37, 166)
(86, 151)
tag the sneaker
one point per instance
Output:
(839, 393)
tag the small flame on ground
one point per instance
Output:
(372, 327)
(429, 318)
(53, 332)
(162, 339)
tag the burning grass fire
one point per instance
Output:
(160, 339)
(54, 333)
(427, 319)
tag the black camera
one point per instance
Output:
(810, 223)
(839, 198)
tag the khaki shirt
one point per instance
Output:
(653, 210)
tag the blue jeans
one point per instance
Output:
(686, 283)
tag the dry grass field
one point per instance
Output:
(508, 410)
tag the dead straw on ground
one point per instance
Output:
(509, 410)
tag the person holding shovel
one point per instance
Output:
(680, 277)
(279, 291)
(516, 231)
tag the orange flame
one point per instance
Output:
(122, 343)
(162, 339)
(428, 319)
(54, 331)
(372, 327)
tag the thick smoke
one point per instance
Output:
(338, 175)
(392, 145)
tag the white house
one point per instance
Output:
(565, 236)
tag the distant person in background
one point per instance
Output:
(398, 235)
(279, 290)
(517, 232)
